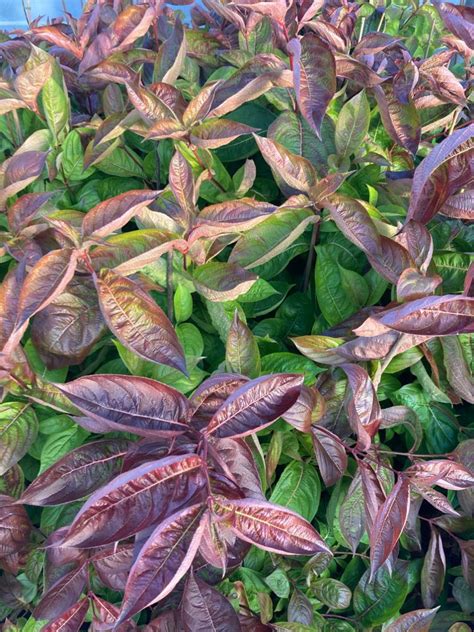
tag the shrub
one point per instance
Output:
(237, 316)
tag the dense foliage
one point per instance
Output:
(236, 318)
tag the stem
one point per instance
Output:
(412, 454)
(169, 284)
(311, 256)
(388, 358)
(430, 38)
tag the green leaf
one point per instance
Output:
(440, 428)
(335, 303)
(55, 103)
(122, 162)
(284, 361)
(59, 444)
(242, 353)
(299, 489)
(183, 303)
(332, 593)
(352, 125)
(379, 600)
(278, 582)
(72, 158)
(18, 430)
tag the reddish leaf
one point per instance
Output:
(431, 182)
(363, 408)
(112, 214)
(270, 527)
(15, 526)
(389, 524)
(113, 565)
(106, 616)
(433, 571)
(77, 474)
(137, 321)
(458, 20)
(135, 500)
(374, 494)
(211, 394)
(414, 621)
(204, 608)
(300, 415)
(441, 472)
(65, 331)
(62, 595)
(401, 120)
(26, 209)
(437, 499)
(238, 464)
(412, 285)
(133, 404)
(330, 454)
(255, 405)
(215, 133)
(19, 171)
(71, 620)
(182, 184)
(297, 171)
(46, 281)
(163, 560)
(430, 316)
(314, 72)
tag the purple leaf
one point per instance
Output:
(255, 405)
(269, 526)
(163, 560)
(137, 321)
(204, 608)
(77, 474)
(314, 72)
(135, 500)
(134, 404)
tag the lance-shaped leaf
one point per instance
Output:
(433, 571)
(356, 71)
(417, 240)
(212, 393)
(330, 455)
(182, 183)
(18, 431)
(412, 285)
(403, 415)
(314, 73)
(66, 330)
(354, 222)
(150, 256)
(163, 560)
(71, 620)
(15, 526)
(113, 564)
(363, 408)
(459, 206)
(431, 181)
(374, 494)
(9, 294)
(255, 405)
(458, 20)
(205, 608)
(78, 473)
(270, 527)
(134, 404)
(242, 353)
(436, 499)
(110, 215)
(276, 235)
(414, 621)
(215, 133)
(218, 281)
(26, 208)
(46, 281)
(352, 125)
(135, 500)
(171, 55)
(401, 120)
(62, 595)
(389, 524)
(441, 472)
(430, 316)
(230, 217)
(21, 170)
(238, 463)
(137, 321)
(300, 415)
(105, 614)
(457, 371)
(352, 515)
(296, 171)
